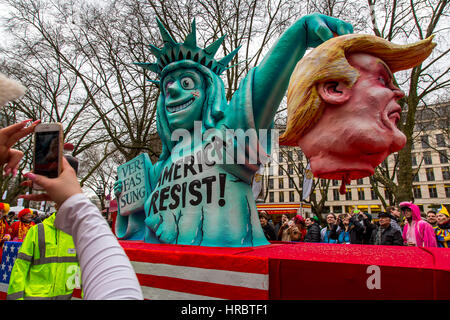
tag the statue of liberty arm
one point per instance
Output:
(191, 90)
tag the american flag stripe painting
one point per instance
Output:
(198, 275)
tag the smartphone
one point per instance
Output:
(48, 150)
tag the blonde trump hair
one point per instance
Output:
(328, 62)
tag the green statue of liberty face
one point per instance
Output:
(184, 91)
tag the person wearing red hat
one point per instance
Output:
(21, 227)
(5, 229)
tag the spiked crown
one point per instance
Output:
(188, 50)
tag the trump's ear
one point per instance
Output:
(334, 92)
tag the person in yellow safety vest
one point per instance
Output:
(46, 266)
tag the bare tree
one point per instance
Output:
(413, 20)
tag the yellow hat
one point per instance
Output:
(4, 207)
(443, 210)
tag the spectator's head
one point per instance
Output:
(385, 219)
(25, 215)
(308, 222)
(295, 234)
(410, 211)
(442, 217)
(284, 218)
(345, 219)
(4, 209)
(331, 218)
(263, 218)
(393, 210)
(342, 108)
(299, 221)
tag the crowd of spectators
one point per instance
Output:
(402, 225)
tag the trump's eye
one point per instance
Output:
(382, 81)
(187, 83)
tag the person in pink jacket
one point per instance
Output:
(416, 232)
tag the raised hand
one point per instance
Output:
(319, 28)
(8, 137)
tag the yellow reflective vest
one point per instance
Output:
(46, 266)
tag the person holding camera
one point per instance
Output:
(342, 235)
(106, 270)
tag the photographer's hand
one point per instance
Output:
(58, 189)
(8, 137)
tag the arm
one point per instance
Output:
(273, 73)
(106, 270)
(397, 239)
(333, 233)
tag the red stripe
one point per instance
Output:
(245, 264)
(76, 293)
(3, 295)
(202, 288)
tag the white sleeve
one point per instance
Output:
(106, 271)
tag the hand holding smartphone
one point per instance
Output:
(48, 149)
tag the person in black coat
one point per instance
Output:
(269, 230)
(313, 234)
(356, 228)
(385, 234)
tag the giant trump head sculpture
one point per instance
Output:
(342, 104)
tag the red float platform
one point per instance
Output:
(297, 271)
(289, 271)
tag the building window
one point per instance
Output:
(424, 141)
(440, 140)
(416, 176)
(445, 173)
(291, 169)
(373, 194)
(361, 194)
(290, 158)
(281, 197)
(359, 181)
(299, 155)
(291, 196)
(291, 183)
(413, 160)
(280, 171)
(335, 182)
(271, 197)
(336, 194)
(430, 174)
(447, 190)
(417, 192)
(280, 156)
(280, 183)
(432, 190)
(337, 209)
(443, 158)
(348, 194)
(270, 170)
(270, 183)
(427, 157)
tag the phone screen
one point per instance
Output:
(46, 153)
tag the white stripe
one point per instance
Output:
(3, 287)
(232, 278)
(162, 294)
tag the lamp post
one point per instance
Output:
(99, 194)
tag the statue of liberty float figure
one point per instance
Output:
(199, 192)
